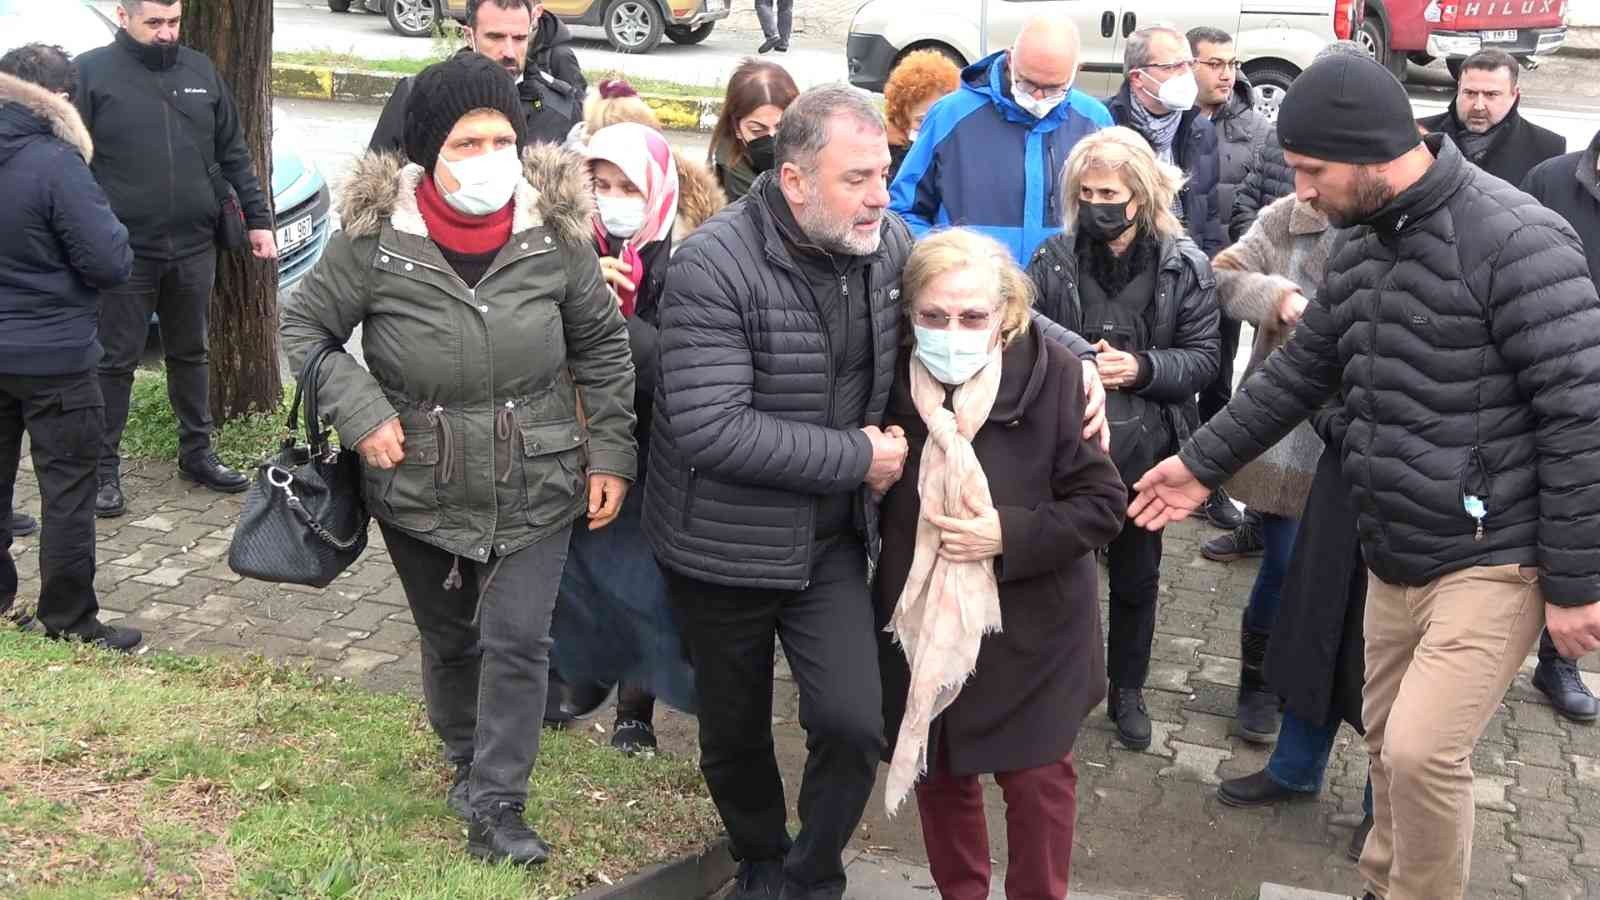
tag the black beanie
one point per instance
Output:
(1347, 109)
(444, 92)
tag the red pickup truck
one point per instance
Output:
(1420, 31)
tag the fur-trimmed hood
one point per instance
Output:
(554, 192)
(699, 197)
(57, 113)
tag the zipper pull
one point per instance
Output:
(1473, 504)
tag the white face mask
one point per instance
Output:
(487, 181)
(953, 357)
(912, 134)
(1036, 107)
(621, 216)
(1179, 92)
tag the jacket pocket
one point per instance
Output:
(688, 498)
(408, 494)
(552, 468)
(1477, 489)
(77, 430)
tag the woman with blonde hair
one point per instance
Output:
(919, 81)
(1126, 277)
(986, 577)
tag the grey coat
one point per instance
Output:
(1285, 250)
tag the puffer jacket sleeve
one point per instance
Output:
(706, 388)
(602, 363)
(1049, 299)
(327, 306)
(1545, 319)
(1178, 372)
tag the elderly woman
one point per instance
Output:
(1124, 276)
(486, 324)
(920, 79)
(987, 578)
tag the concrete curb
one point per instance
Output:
(693, 877)
(346, 86)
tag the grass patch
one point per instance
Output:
(163, 775)
(411, 66)
(152, 431)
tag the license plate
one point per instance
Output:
(1500, 37)
(294, 233)
(716, 5)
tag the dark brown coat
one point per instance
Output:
(1059, 498)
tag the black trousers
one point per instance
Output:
(1217, 394)
(179, 292)
(63, 417)
(829, 641)
(1134, 559)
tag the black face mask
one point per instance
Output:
(762, 153)
(1104, 222)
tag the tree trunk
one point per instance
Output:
(237, 36)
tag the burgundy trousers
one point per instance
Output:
(1041, 808)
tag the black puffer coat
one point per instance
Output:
(1268, 180)
(1466, 331)
(1241, 133)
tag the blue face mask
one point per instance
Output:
(953, 357)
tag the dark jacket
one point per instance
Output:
(1567, 185)
(62, 245)
(1467, 333)
(643, 337)
(1515, 146)
(1241, 133)
(151, 155)
(552, 91)
(1195, 151)
(1059, 498)
(1184, 333)
(1270, 179)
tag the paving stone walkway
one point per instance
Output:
(1149, 823)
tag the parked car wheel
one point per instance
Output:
(634, 26)
(683, 34)
(1373, 36)
(1269, 81)
(339, 5)
(413, 18)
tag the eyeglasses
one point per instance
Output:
(972, 320)
(1049, 91)
(1181, 65)
(1220, 65)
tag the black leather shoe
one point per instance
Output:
(1258, 790)
(768, 45)
(459, 798)
(207, 471)
(23, 525)
(633, 736)
(1220, 511)
(1558, 679)
(109, 637)
(109, 502)
(758, 880)
(503, 835)
(1241, 543)
(1358, 841)
(1126, 708)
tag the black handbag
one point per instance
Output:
(303, 520)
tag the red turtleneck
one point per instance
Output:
(453, 230)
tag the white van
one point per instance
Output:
(1276, 39)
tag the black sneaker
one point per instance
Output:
(1220, 511)
(459, 797)
(109, 637)
(109, 502)
(1241, 543)
(1126, 708)
(206, 470)
(633, 736)
(502, 835)
(768, 45)
(23, 525)
(1559, 681)
(758, 880)
(1358, 841)
(1257, 789)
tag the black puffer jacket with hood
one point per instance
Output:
(1268, 180)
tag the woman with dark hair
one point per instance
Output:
(920, 80)
(742, 141)
(497, 409)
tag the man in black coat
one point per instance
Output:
(534, 46)
(163, 123)
(1460, 327)
(1484, 121)
(63, 246)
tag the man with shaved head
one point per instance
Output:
(990, 155)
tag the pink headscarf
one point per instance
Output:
(645, 157)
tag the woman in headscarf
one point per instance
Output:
(987, 578)
(919, 81)
(494, 410)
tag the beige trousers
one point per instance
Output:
(1438, 661)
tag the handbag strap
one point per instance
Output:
(308, 386)
(210, 159)
(274, 473)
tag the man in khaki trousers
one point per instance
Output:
(1459, 325)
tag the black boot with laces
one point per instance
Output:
(501, 834)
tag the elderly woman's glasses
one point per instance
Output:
(972, 320)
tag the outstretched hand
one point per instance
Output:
(1167, 493)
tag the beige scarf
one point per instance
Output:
(946, 607)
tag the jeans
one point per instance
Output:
(831, 646)
(179, 291)
(63, 416)
(1134, 560)
(776, 17)
(1277, 533)
(485, 655)
(1301, 757)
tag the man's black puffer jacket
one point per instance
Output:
(1467, 333)
(1270, 179)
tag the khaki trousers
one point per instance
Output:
(1438, 661)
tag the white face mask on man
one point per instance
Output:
(487, 182)
(1177, 93)
(621, 216)
(1035, 106)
